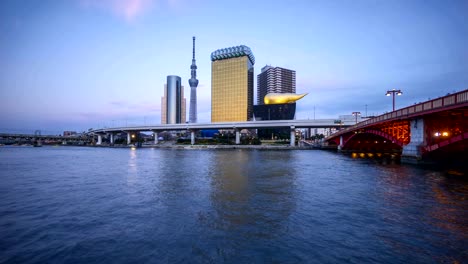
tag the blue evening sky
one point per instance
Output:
(79, 64)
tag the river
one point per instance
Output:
(118, 205)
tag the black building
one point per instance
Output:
(274, 112)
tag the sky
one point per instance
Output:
(80, 64)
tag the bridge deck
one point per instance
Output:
(448, 102)
(317, 123)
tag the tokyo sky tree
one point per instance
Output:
(193, 82)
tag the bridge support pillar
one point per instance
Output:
(129, 138)
(340, 146)
(237, 136)
(412, 152)
(192, 137)
(156, 140)
(111, 138)
(99, 140)
(292, 139)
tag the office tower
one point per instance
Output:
(173, 102)
(275, 80)
(232, 77)
(193, 82)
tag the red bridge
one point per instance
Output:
(436, 127)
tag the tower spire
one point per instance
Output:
(193, 82)
(193, 51)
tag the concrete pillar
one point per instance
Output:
(156, 140)
(237, 136)
(129, 139)
(340, 146)
(112, 138)
(412, 152)
(192, 137)
(293, 137)
(99, 140)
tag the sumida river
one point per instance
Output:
(110, 205)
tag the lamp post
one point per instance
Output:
(356, 114)
(393, 92)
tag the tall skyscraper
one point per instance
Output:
(193, 82)
(275, 80)
(232, 77)
(173, 102)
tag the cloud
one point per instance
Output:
(131, 10)
(131, 107)
(118, 103)
(126, 9)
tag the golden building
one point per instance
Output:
(232, 75)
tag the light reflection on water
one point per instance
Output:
(248, 192)
(132, 172)
(384, 157)
(99, 205)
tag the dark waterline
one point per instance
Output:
(100, 205)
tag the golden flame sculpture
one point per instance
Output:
(282, 98)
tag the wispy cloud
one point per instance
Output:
(118, 103)
(126, 9)
(132, 107)
(131, 10)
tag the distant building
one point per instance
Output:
(69, 133)
(232, 79)
(353, 118)
(173, 102)
(275, 80)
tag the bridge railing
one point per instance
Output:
(428, 106)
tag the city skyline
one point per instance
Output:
(80, 64)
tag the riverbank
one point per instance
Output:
(173, 145)
(277, 147)
(176, 146)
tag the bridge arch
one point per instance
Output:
(374, 132)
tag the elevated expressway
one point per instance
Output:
(236, 126)
(11, 138)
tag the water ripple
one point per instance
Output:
(98, 205)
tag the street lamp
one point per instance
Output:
(393, 92)
(356, 114)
